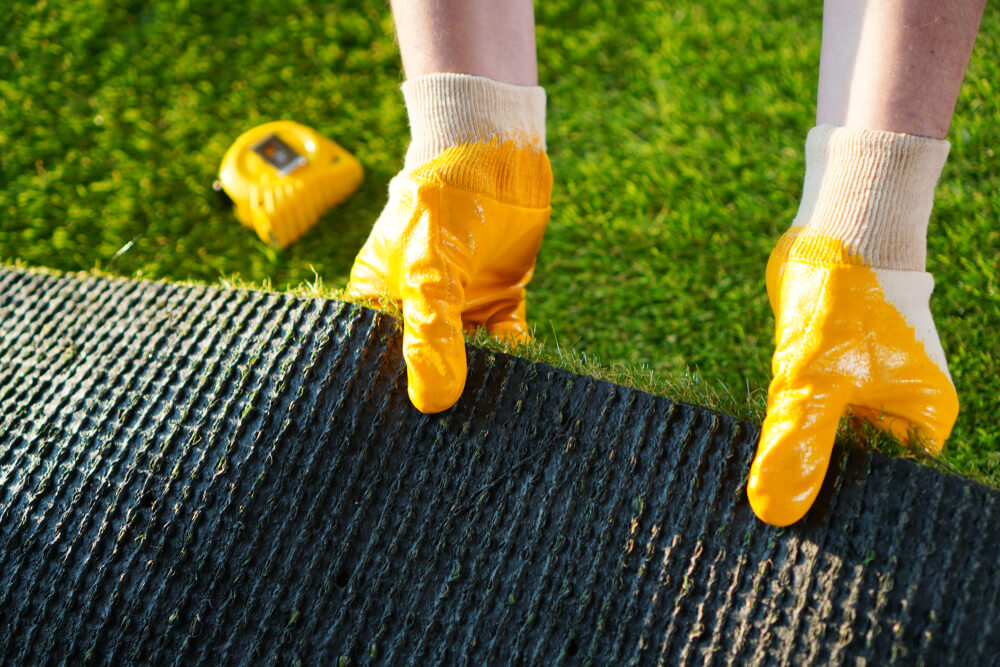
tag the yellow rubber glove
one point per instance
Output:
(455, 248)
(848, 337)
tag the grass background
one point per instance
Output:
(675, 134)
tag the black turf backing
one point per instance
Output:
(192, 475)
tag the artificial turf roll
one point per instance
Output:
(195, 475)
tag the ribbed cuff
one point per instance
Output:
(447, 110)
(873, 191)
(500, 170)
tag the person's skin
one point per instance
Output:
(894, 65)
(489, 38)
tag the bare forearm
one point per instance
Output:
(489, 38)
(895, 65)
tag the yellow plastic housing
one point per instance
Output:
(282, 198)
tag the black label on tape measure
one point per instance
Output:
(279, 155)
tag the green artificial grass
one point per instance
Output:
(675, 133)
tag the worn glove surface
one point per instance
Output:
(848, 337)
(455, 247)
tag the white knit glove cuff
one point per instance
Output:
(450, 109)
(873, 191)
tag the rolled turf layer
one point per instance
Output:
(193, 475)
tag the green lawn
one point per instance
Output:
(675, 132)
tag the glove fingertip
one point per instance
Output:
(772, 508)
(510, 330)
(435, 396)
(364, 283)
(435, 373)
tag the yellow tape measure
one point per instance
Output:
(282, 176)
